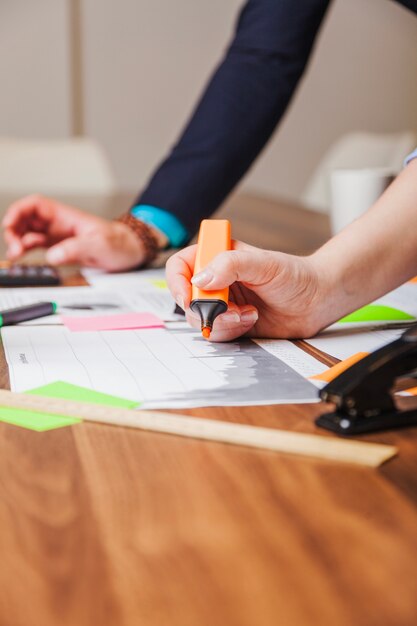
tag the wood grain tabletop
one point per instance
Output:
(106, 526)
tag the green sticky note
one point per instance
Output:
(161, 283)
(376, 313)
(46, 421)
(33, 420)
(61, 389)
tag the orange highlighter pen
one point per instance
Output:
(214, 237)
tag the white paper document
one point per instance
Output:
(143, 289)
(303, 363)
(342, 345)
(90, 301)
(157, 367)
(122, 280)
(403, 298)
(74, 301)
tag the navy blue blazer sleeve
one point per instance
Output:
(239, 109)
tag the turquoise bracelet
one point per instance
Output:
(162, 220)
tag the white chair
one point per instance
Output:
(357, 150)
(56, 168)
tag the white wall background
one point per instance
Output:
(35, 96)
(145, 62)
(363, 77)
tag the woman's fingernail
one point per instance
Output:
(202, 278)
(55, 255)
(232, 317)
(249, 317)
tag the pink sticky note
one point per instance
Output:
(124, 321)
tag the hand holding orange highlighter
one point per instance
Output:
(263, 293)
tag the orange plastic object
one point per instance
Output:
(335, 370)
(214, 237)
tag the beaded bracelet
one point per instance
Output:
(144, 233)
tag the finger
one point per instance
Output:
(234, 323)
(71, 250)
(87, 250)
(193, 320)
(179, 270)
(25, 207)
(250, 266)
(14, 246)
(237, 321)
(33, 240)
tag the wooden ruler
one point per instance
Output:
(330, 448)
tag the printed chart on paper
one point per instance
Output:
(157, 367)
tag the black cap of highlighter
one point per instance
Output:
(208, 310)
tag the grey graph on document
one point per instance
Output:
(157, 367)
(246, 372)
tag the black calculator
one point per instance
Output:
(20, 275)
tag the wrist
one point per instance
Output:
(315, 296)
(144, 235)
(338, 291)
(126, 251)
(168, 228)
(160, 237)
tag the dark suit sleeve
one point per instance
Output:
(239, 109)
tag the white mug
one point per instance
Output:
(353, 191)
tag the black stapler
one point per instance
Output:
(362, 393)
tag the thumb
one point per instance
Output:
(248, 266)
(71, 250)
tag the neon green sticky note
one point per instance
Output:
(46, 421)
(33, 420)
(376, 313)
(61, 389)
(161, 283)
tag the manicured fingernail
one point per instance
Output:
(55, 256)
(231, 317)
(249, 317)
(202, 278)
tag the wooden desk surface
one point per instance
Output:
(115, 527)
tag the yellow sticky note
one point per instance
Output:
(161, 283)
